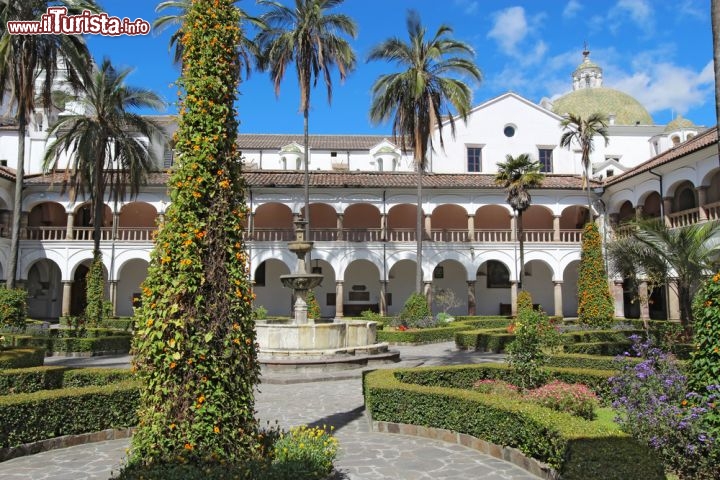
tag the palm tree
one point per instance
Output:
(107, 142)
(517, 175)
(312, 38)
(247, 49)
(420, 96)
(24, 59)
(653, 251)
(583, 131)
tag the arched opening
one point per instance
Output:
(449, 285)
(361, 223)
(83, 223)
(273, 222)
(449, 224)
(44, 289)
(626, 212)
(325, 292)
(572, 221)
(712, 197)
(361, 288)
(269, 290)
(129, 292)
(47, 221)
(78, 292)
(538, 224)
(137, 221)
(652, 206)
(401, 284)
(684, 198)
(538, 281)
(569, 289)
(323, 222)
(492, 224)
(493, 289)
(402, 223)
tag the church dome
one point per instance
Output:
(678, 124)
(586, 101)
(589, 96)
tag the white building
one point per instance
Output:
(363, 210)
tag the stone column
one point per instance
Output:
(383, 297)
(556, 228)
(618, 298)
(471, 228)
(339, 312)
(673, 300)
(472, 307)
(383, 227)
(340, 226)
(113, 296)
(558, 299)
(667, 206)
(23, 225)
(115, 224)
(702, 200)
(614, 219)
(644, 302)
(513, 298)
(513, 228)
(427, 289)
(66, 297)
(639, 212)
(70, 221)
(428, 227)
(251, 226)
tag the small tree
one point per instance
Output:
(446, 298)
(416, 311)
(595, 304)
(95, 292)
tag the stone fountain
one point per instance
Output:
(303, 343)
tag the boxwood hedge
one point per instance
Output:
(576, 448)
(30, 417)
(422, 335)
(118, 343)
(28, 380)
(484, 339)
(22, 357)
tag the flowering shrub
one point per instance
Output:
(313, 306)
(575, 399)
(304, 452)
(706, 327)
(13, 308)
(534, 335)
(95, 310)
(416, 312)
(652, 405)
(595, 304)
(496, 387)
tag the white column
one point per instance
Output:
(556, 228)
(702, 199)
(471, 227)
(513, 298)
(619, 299)
(340, 226)
(339, 313)
(673, 300)
(69, 230)
(66, 297)
(558, 299)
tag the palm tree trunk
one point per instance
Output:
(685, 299)
(521, 240)
(17, 207)
(306, 185)
(419, 231)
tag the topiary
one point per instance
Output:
(595, 304)
(415, 311)
(95, 292)
(195, 345)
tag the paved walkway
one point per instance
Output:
(336, 399)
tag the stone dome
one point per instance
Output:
(586, 101)
(678, 124)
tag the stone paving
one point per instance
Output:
(337, 401)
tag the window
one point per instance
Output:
(509, 131)
(380, 164)
(609, 172)
(260, 275)
(333, 154)
(474, 159)
(545, 156)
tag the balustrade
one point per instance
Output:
(362, 234)
(449, 235)
(124, 234)
(684, 218)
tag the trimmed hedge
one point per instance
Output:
(422, 335)
(21, 357)
(484, 322)
(576, 448)
(588, 336)
(30, 417)
(598, 348)
(28, 380)
(119, 343)
(484, 340)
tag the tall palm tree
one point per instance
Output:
(658, 253)
(517, 175)
(311, 37)
(419, 98)
(106, 141)
(247, 49)
(582, 131)
(24, 59)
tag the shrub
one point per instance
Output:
(650, 398)
(425, 335)
(496, 387)
(371, 316)
(313, 306)
(95, 291)
(304, 452)
(576, 399)
(13, 308)
(705, 359)
(595, 304)
(260, 312)
(415, 312)
(22, 357)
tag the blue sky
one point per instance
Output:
(659, 51)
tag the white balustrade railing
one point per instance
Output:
(362, 234)
(323, 234)
(570, 236)
(493, 236)
(713, 211)
(401, 235)
(124, 234)
(272, 235)
(538, 235)
(449, 235)
(684, 217)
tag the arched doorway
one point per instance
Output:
(131, 275)
(44, 289)
(269, 290)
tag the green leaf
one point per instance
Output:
(208, 337)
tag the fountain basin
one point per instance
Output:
(316, 338)
(301, 281)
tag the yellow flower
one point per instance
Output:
(216, 429)
(188, 446)
(149, 322)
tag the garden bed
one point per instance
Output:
(64, 345)
(21, 357)
(575, 448)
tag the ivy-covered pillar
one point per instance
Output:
(195, 345)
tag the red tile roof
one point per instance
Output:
(270, 179)
(251, 141)
(705, 139)
(7, 173)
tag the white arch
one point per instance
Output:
(499, 256)
(123, 258)
(396, 257)
(566, 260)
(437, 258)
(34, 256)
(617, 200)
(676, 177)
(552, 263)
(344, 259)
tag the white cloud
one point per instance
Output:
(510, 28)
(571, 9)
(469, 7)
(669, 86)
(637, 11)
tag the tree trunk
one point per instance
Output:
(306, 180)
(17, 207)
(521, 240)
(419, 230)
(685, 299)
